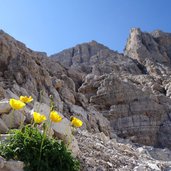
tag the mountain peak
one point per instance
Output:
(155, 46)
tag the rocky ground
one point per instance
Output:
(99, 153)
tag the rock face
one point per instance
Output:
(127, 94)
(132, 90)
(25, 72)
(153, 46)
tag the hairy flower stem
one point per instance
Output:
(22, 121)
(52, 105)
(68, 139)
(48, 132)
(41, 146)
(12, 118)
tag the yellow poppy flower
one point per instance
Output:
(55, 117)
(76, 122)
(38, 118)
(16, 104)
(26, 99)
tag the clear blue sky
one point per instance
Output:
(53, 25)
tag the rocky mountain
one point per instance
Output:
(128, 95)
(132, 90)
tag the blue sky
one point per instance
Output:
(54, 25)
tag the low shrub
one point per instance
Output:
(24, 145)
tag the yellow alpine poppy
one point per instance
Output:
(16, 104)
(38, 118)
(26, 99)
(76, 122)
(55, 117)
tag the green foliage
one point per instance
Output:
(24, 145)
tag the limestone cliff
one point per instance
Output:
(132, 90)
(127, 94)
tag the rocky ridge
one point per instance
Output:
(125, 94)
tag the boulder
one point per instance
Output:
(4, 106)
(14, 119)
(3, 127)
(11, 165)
(68, 82)
(67, 95)
(57, 83)
(62, 130)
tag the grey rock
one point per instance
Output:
(3, 127)
(67, 95)
(14, 119)
(11, 165)
(143, 46)
(2, 93)
(4, 106)
(62, 130)
(57, 83)
(108, 154)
